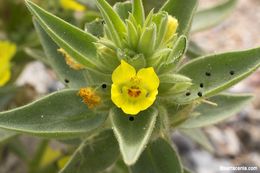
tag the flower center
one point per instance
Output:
(134, 92)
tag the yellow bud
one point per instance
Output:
(171, 27)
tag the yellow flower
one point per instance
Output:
(72, 5)
(134, 92)
(63, 161)
(7, 51)
(171, 27)
(50, 155)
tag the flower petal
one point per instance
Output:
(149, 79)
(5, 77)
(117, 96)
(72, 5)
(123, 73)
(9, 51)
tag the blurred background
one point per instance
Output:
(235, 142)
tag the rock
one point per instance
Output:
(206, 163)
(225, 141)
(36, 75)
(249, 136)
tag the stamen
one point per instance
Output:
(134, 91)
(89, 96)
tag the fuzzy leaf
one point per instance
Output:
(194, 50)
(70, 77)
(211, 17)
(158, 157)
(123, 9)
(95, 27)
(227, 106)
(94, 155)
(169, 80)
(214, 73)
(36, 54)
(183, 11)
(173, 78)
(199, 137)
(175, 55)
(138, 11)
(178, 50)
(59, 115)
(147, 41)
(118, 167)
(77, 43)
(114, 23)
(161, 20)
(133, 135)
(132, 34)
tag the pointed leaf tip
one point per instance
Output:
(134, 135)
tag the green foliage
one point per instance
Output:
(59, 115)
(132, 136)
(68, 76)
(94, 155)
(63, 33)
(227, 105)
(158, 157)
(183, 11)
(116, 26)
(187, 96)
(215, 73)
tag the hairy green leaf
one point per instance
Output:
(161, 20)
(147, 40)
(138, 11)
(36, 54)
(70, 77)
(133, 135)
(59, 115)
(123, 9)
(158, 157)
(113, 21)
(207, 18)
(169, 80)
(77, 43)
(95, 27)
(183, 11)
(132, 34)
(118, 167)
(174, 56)
(212, 74)
(94, 155)
(227, 106)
